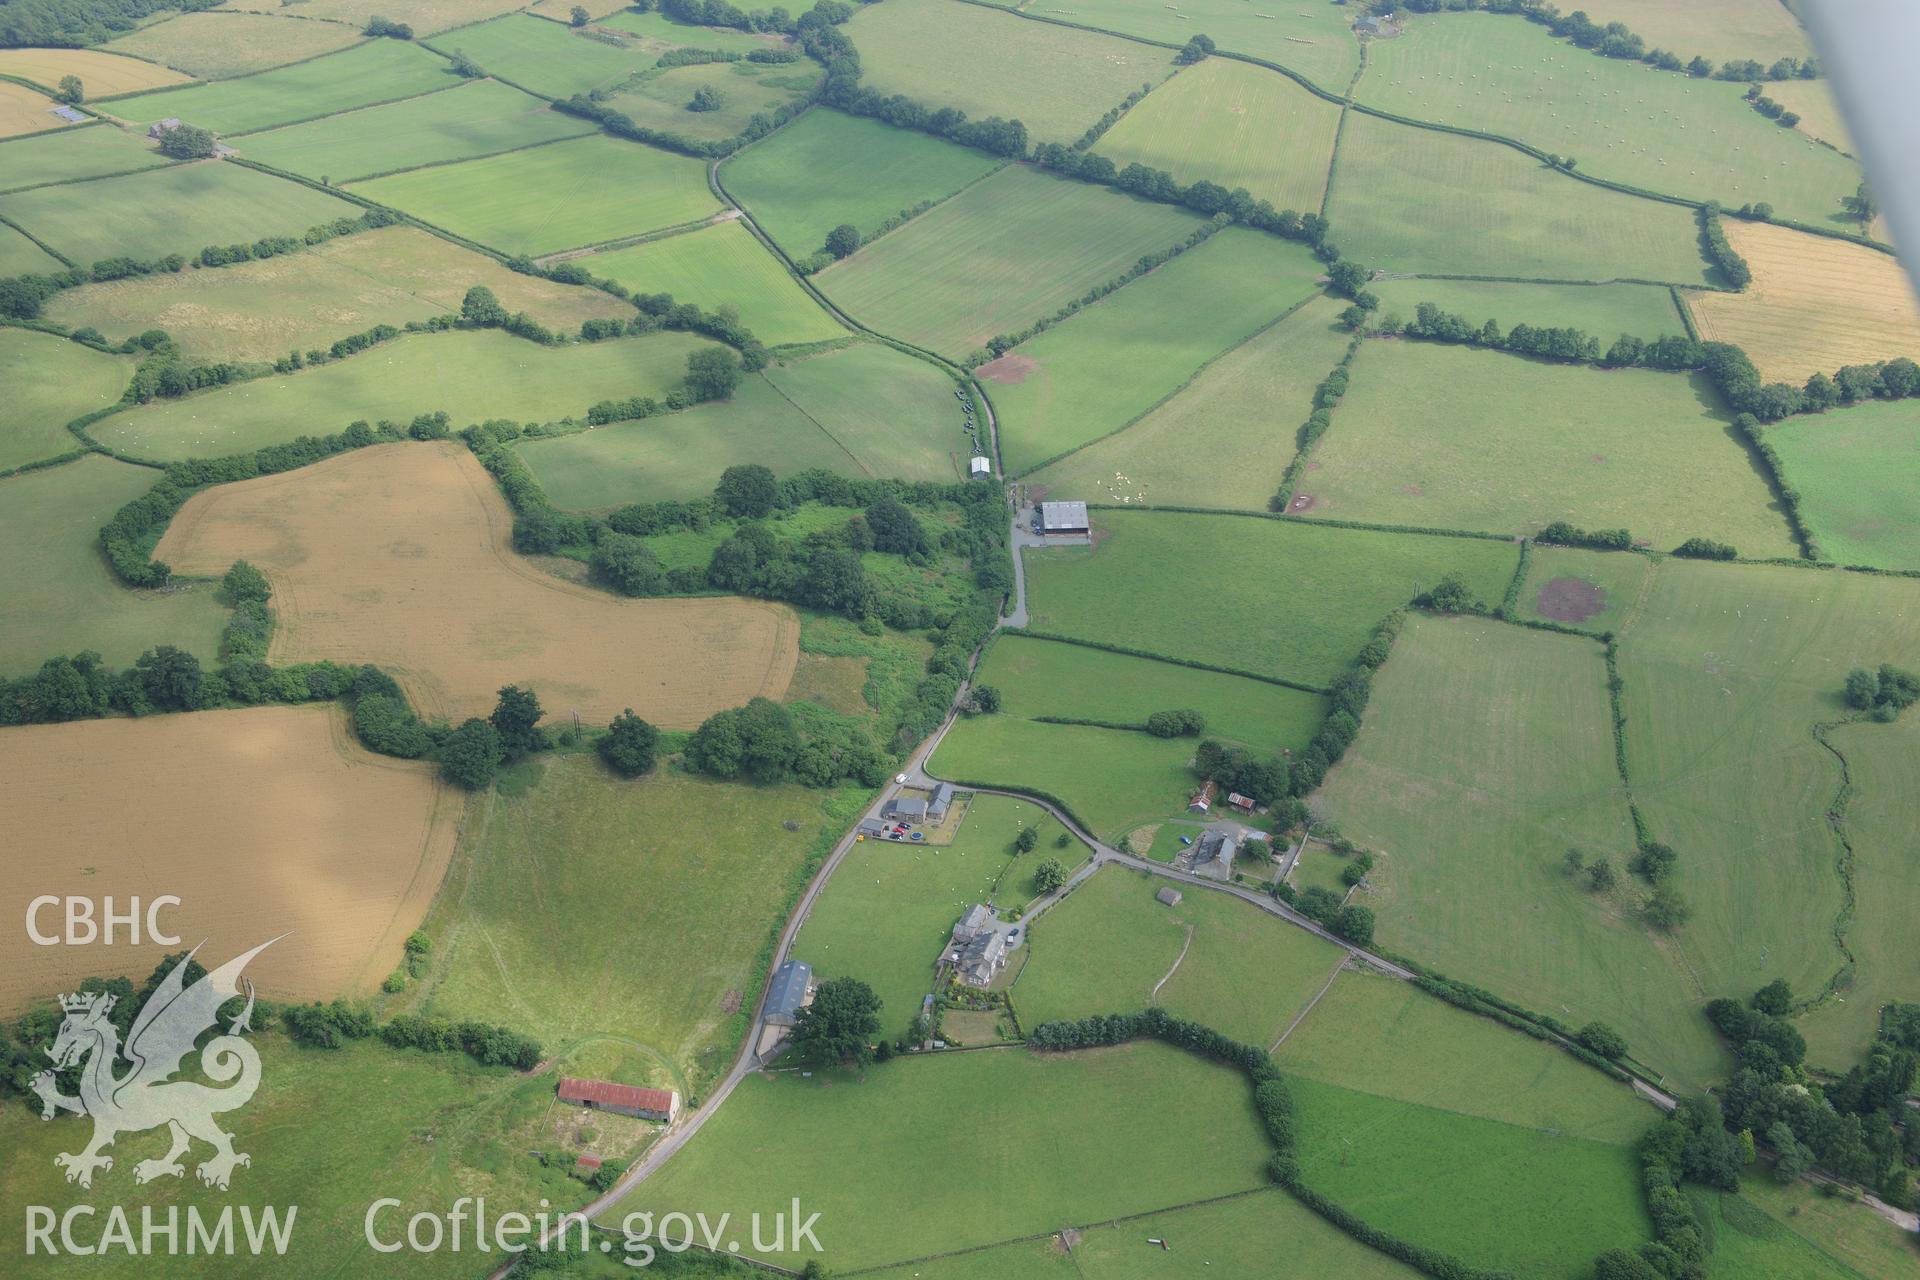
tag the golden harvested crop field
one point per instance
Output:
(24, 111)
(102, 74)
(265, 821)
(399, 555)
(1814, 305)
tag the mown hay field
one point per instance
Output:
(1604, 310)
(262, 822)
(1815, 304)
(861, 1143)
(214, 46)
(425, 16)
(91, 152)
(377, 71)
(24, 110)
(659, 99)
(1721, 30)
(1456, 438)
(103, 74)
(1055, 80)
(895, 413)
(1048, 678)
(473, 374)
(545, 57)
(49, 383)
(1819, 111)
(1233, 124)
(1407, 199)
(181, 208)
(479, 117)
(1112, 779)
(1855, 470)
(1006, 252)
(1317, 41)
(61, 598)
(583, 191)
(1226, 964)
(1110, 363)
(1181, 585)
(827, 168)
(263, 309)
(1485, 754)
(399, 555)
(723, 265)
(1225, 439)
(1620, 119)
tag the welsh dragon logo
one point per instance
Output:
(144, 1097)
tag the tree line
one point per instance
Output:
(74, 24)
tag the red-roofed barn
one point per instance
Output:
(624, 1099)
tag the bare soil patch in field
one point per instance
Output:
(1009, 370)
(399, 554)
(1570, 600)
(262, 822)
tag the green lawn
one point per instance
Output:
(1446, 437)
(896, 413)
(1114, 779)
(1407, 199)
(888, 911)
(827, 168)
(1117, 359)
(1028, 1143)
(723, 265)
(1175, 584)
(181, 208)
(60, 597)
(1055, 80)
(1485, 754)
(1236, 125)
(1604, 310)
(479, 117)
(1319, 865)
(1855, 470)
(49, 383)
(583, 191)
(377, 71)
(1008, 251)
(1621, 120)
(1226, 439)
(1538, 1204)
(74, 153)
(1316, 41)
(546, 57)
(473, 374)
(660, 99)
(1046, 678)
(584, 907)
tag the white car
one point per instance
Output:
(899, 777)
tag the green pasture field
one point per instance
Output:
(1319, 865)
(827, 168)
(583, 191)
(20, 256)
(1226, 439)
(1114, 779)
(1055, 80)
(61, 599)
(723, 265)
(1175, 583)
(1316, 41)
(482, 1120)
(1604, 310)
(860, 1145)
(1855, 470)
(1008, 251)
(1726, 670)
(479, 117)
(1721, 30)
(1408, 199)
(544, 57)
(473, 374)
(1389, 1038)
(585, 907)
(1819, 111)
(181, 208)
(1509, 1196)
(1117, 359)
(1457, 438)
(886, 915)
(1485, 754)
(895, 413)
(1746, 1241)
(1269, 1234)
(90, 152)
(658, 99)
(1046, 678)
(1619, 577)
(1621, 120)
(657, 33)
(377, 71)
(49, 383)
(216, 46)
(1847, 1232)
(263, 309)
(1234, 124)
(426, 17)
